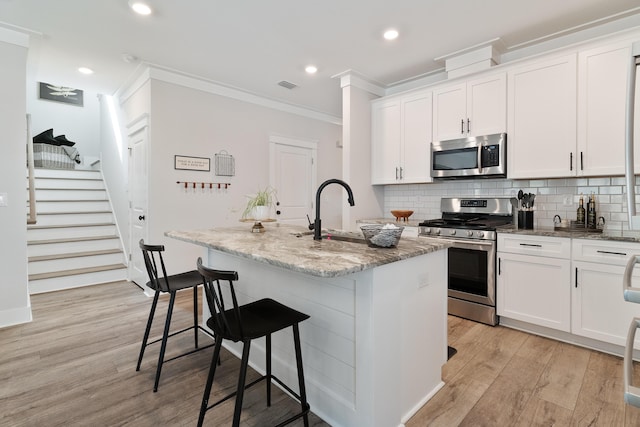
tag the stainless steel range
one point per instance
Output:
(470, 225)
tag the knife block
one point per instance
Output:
(525, 220)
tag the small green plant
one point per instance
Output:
(261, 198)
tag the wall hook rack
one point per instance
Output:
(204, 185)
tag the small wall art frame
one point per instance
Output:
(192, 163)
(62, 94)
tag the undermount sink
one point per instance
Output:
(341, 238)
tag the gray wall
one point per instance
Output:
(193, 122)
(14, 303)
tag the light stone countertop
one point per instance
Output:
(552, 232)
(293, 248)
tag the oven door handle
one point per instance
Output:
(485, 245)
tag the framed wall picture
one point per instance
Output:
(192, 163)
(63, 94)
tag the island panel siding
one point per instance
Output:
(325, 367)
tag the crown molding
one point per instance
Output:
(147, 71)
(14, 37)
(359, 80)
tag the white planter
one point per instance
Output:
(261, 213)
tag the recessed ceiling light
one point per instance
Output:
(85, 70)
(140, 7)
(391, 34)
(311, 69)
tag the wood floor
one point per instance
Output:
(74, 365)
(504, 377)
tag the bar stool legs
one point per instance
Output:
(242, 386)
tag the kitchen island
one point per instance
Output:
(376, 341)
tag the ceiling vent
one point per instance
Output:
(473, 59)
(287, 84)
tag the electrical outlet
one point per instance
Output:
(567, 200)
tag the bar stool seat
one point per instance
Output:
(244, 323)
(160, 282)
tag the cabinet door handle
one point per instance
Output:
(612, 253)
(468, 125)
(462, 126)
(396, 172)
(576, 277)
(581, 162)
(400, 172)
(530, 244)
(571, 161)
(499, 266)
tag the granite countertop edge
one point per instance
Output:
(575, 234)
(291, 247)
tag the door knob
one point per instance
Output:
(141, 217)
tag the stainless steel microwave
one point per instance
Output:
(473, 157)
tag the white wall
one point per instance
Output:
(80, 124)
(192, 122)
(356, 108)
(14, 303)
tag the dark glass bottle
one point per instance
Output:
(591, 212)
(580, 213)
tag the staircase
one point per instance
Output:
(75, 240)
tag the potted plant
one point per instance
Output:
(259, 204)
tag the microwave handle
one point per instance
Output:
(480, 159)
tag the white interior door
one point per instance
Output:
(138, 189)
(293, 175)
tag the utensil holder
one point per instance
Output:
(525, 220)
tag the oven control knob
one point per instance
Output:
(452, 232)
(470, 233)
(437, 232)
(480, 234)
(427, 231)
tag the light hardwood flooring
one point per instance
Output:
(504, 377)
(74, 365)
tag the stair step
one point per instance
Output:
(75, 271)
(67, 184)
(106, 274)
(45, 227)
(69, 195)
(66, 174)
(51, 206)
(71, 245)
(73, 218)
(73, 255)
(68, 262)
(48, 233)
(72, 239)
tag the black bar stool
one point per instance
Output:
(161, 283)
(244, 323)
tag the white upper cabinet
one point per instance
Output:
(541, 124)
(400, 139)
(602, 88)
(472, 108)
(385, 141)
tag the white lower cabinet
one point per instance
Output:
(532, 280)
(570, 285)
(599, 310)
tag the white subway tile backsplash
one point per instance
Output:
(424, 199)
